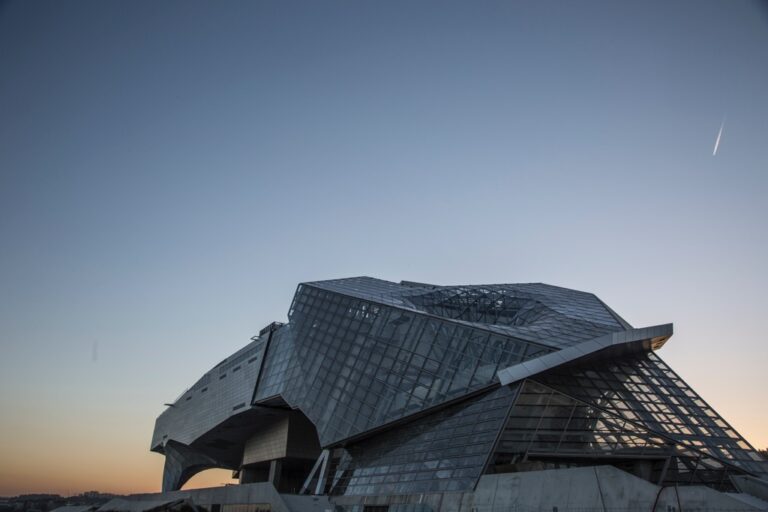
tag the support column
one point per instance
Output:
(275, 472)
(318, 470)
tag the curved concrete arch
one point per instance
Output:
(182, 463)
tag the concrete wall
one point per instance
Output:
(600, 488)
(754, 486)
(268, 443)
(292, 436)
(263, 492)
(427, 502)
(588, 489)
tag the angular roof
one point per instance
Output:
(551, 315)
(362, 356)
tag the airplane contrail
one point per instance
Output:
(717, 141)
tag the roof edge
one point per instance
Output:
(615, 344)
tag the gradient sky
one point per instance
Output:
(169, 171)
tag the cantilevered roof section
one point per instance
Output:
(614, 345)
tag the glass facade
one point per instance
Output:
(442, 452)
(558, 318)
(535, 312)
(645, 390)
(401, 384)
(352, 365)
(548, 429)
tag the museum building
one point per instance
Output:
(376, 392)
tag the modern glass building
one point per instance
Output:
(376, 388)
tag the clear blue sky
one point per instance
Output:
(169, 171)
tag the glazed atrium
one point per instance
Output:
(383, 389)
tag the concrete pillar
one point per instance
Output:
(643, 469)
(275, 469)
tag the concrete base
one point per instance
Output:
(751, 485)
(231, 497)
(588, 489)
(598, 488)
